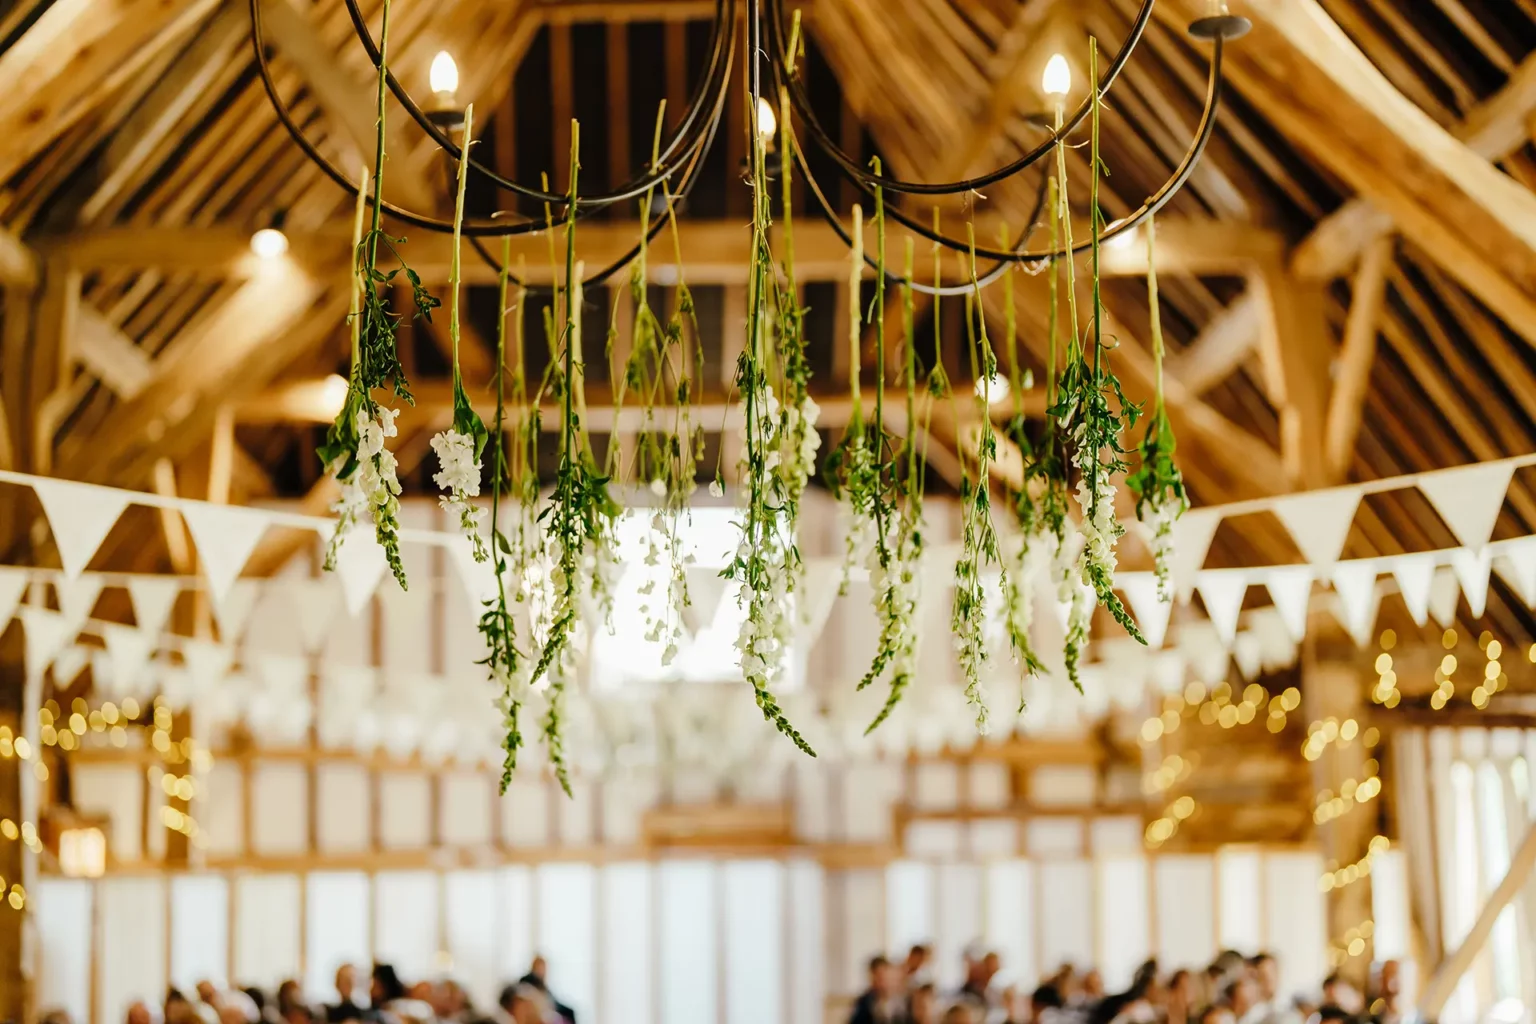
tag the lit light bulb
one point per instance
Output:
(767, 122)
(994, 389)
(333, 394)
(269, 243)
(1123, 241)
(1057, 80)
(443, 76)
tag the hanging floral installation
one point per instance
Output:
(354, 452)
(554, 553)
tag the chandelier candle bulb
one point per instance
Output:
(443, 77)
(1057, 80)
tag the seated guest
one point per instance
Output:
(881, 1002)
(520, 1004)
(345, 1008)
(917, 968)
(1337, 991)
(1179, 997)
(535, 979)
(1242, 998)
(923, 1005)
(291, 1008)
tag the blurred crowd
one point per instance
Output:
(384, 999)
(1233, 989)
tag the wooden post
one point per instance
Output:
(1334, 689)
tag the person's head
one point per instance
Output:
(178, 1010)
(1093, 984)
(450, 998)
(1241, 996)
(990, 965)
(538, 968)
(1332, 1013)
(923, 1004)
(385, 986)
(289, 997)
(1181, 986)
(881, 977)
(1389, 979)
(960, 1013)
(138, 1013)
(1046, 997)
(522, 1003)
(917, 959)
(1218, 1014)
(206, 992)
(230, 1013)
(346, 982)
(1266, 974)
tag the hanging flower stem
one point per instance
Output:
(503, 661)
(460, 447)
(1157, 483)
(778, 448)
(581, 513)
(1096, 412)
(354, 451)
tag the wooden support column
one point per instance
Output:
(15, 980)
(1296, 347)
(1335, 688)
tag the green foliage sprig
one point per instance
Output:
(354, 451)
(460, 447)
(580, 518)
(1157, 483)
(779, 443)
(507, 666)
(1093, 409)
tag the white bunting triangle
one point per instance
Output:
(225, 536)
(1222, 591)
(360, 565)
(1152, 614)
(80, 516)
(314, 603)
(1319, 521)
(1469, 498)
(1290, 587)
(153, 599)
(1517, 564)
(1248, 655)
(477, 578)
(706, 589)
(77, 597)
(1415, 575)
(233, 610)
(207, 664)
(47, 633)
(68, 664)
(13, 584)
(1192, 536)
(1443, 595)
(130, 650)
(1471, 569)
(1355, 583)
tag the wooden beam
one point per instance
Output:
(349, 101)
(1303, 73)
(18, 266)
(313, 401)
(200, 362)
(1221, 347)
(111, 355)
(75, 54)
(1297, 347)
(717, 250)
(148, 130)
(1443, 982)
(1347, 400)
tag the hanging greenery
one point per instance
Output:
(779, 442)
(460, 446)
(354, 452)
(581, 516)
(659, 369)
(1157, 482)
